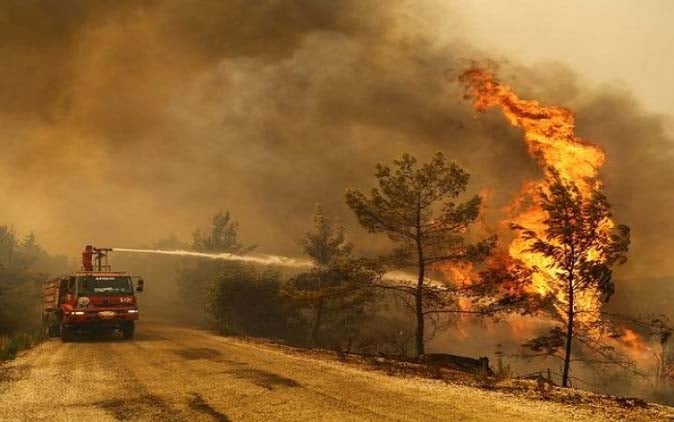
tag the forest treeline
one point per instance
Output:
(394, 304)
(24, 265)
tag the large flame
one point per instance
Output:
(549, 134)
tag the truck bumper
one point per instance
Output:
(96, 320)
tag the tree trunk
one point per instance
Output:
(569, 337)
(419, 296)
(316, 329)
(420, 316)
(419, 303)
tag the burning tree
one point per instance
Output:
(568, 243)
(578, 249)
(415, 207)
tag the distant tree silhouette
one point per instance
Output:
(223, 236)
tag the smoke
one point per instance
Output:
(123, 122)
(253, 259)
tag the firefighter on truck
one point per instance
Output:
(93, 300)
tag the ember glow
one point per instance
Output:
(635, 343)
(549, 134)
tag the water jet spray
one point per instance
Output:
(261, 259)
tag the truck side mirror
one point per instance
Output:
(140, 285)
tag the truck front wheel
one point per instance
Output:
(66, 334)
(127, 331)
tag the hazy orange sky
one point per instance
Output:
(609, 41)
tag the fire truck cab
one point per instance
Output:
(95, 299)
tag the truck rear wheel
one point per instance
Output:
(50, 325)
(53, 330)
(127, 331)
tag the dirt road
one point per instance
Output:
(177, 374)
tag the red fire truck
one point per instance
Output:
(95, 299)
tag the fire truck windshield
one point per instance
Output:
(101, 285)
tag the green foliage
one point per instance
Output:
(193, 277)
(337, 299)
(17, 255)
(243, 300)
(332, 295)
(20, 286)
(10, 346)
(19, 302)
(223, 236)
(20, 292)
(415, 206)
(326, 241)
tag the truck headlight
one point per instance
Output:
(78, 313)
(133, 311)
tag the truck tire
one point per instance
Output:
(127, 331)
(67, 334)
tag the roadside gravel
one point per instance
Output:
(171, 373)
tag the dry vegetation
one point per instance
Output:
(532, 388)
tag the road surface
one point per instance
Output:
(170, 373)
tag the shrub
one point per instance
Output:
(11, 346)
(243, 300)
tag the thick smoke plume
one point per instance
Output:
(125, 121)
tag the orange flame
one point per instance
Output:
(634, 341)
(549, 133)
(636, 348)
(460, 273)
